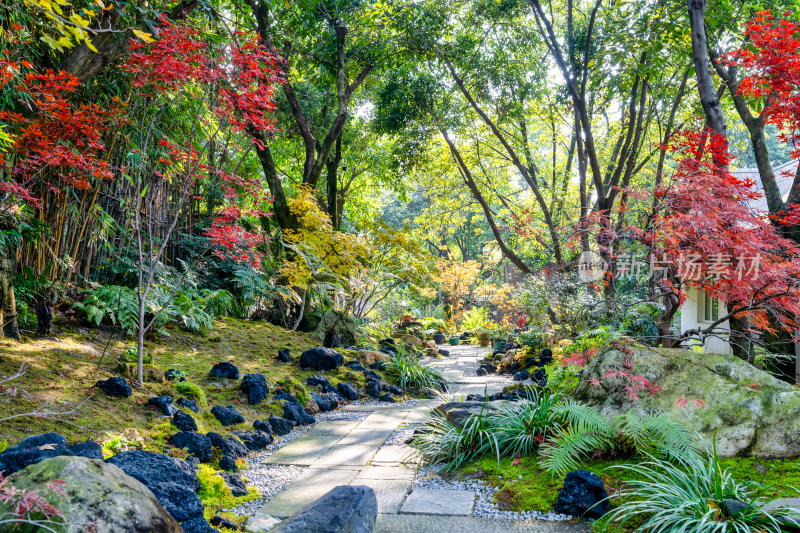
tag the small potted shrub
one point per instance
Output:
(483, 338)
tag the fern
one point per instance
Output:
(218, 303)
(564, 451)
(657, 435)
(584, 418)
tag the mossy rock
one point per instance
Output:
(294, 387)
(151, 373)
(750, 412)
(98, 497)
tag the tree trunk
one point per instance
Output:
(715, 120)
(8, 305)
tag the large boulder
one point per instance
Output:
(321, 359)
(173, 481)
(281, 426)
(345, 509)
(583, 495)
(184, 421)
(98, 497)
(751, 412)
(255, 440)
(348, 391)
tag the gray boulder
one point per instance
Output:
(751, 412)
(99, 497)
(345, 509)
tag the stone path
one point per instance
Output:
(343, 452)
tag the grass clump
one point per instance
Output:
(409, 372)
(692, 493)
(191, 391)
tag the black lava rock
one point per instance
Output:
(255, 386)
(229, 446)
(225, 370)
(522, 375)
(294, 412)
(389, 350)
(378, 365)
(227, 415)
(481, 372)
(283, 395)
(198, 525)
(475, 397)
(386, 397)
(262, 425)
(184, 421)
(29, 452)
(322, 382)
(221, 521)
(254, 440)
(235, 483)
(321, 359)
(115, 387)
(194, 443)
(281, 426)
(394, 389)
(188, 404)
(325, 402)
(546, 357)
(89, 449)
(347, 391)
(388, 341)
(345, 508)
(540, 377)
(489, 367)
(173, 374)
(172, 481)
(374, 388)
(371, 374)
(284, 356)
(583, 495)
(444, 353)
(355, 365)
(228, 463)
(164, 403)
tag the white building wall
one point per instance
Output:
(693, 316)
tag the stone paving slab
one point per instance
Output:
(383, 420)
(366, 436)
(304, 450)
(308, 487)
(390, 493)
(404, 472)
(346, 455)
(394, 455)
(333, 428)
(404, 523)
(439, 502)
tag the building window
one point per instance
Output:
(710, 308)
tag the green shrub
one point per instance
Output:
(114, 303)
(191, 391)
(522, 426)
(474, 319)
(533, 338)
(691, 494)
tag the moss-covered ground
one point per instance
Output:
(61, 372)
